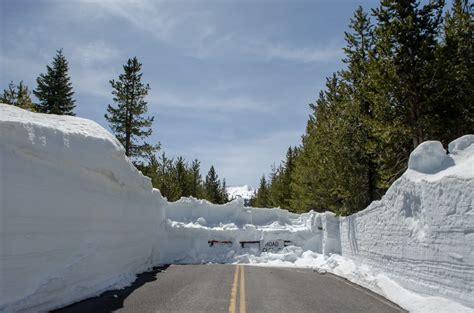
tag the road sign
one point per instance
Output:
(272, 245)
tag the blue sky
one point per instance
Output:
(230, 80)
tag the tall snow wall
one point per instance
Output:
(421, 233)
(76, 217)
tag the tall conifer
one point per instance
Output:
(54, 90)
(127, 120)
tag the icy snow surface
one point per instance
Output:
(76, 218)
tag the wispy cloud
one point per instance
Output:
(205, 102)
(94, 53)
(197, 34)
(270, 51)
(166, 21)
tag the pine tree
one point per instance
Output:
(276, 187)
(182, 177)
(9, 95)
(127, 119)
(24, 98)
(454, 93)
(360, 45)
(18, 96)
(212, 186)
(407, 36)
(262, 200)
(196, 179)
(224, 196)
(54, 90)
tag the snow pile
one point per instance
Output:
(422, 231)
(429, 158)
(76, 216)
(245, 192)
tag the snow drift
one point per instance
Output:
(77, 218)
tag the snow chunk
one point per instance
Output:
(201, 221)
(429, 158)
(459, 145)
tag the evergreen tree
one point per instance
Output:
(167, 175)
(360, 45)
(24, 98)
(127, 119)
(454, 93)
(18, 96)
(276, 187)
(9, 95)
(54, 90)
(196, 180)
(212, 186)
(407, 39)
(183, 177)
(262, 199)
(224, 196)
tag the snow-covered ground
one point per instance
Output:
(77, 218)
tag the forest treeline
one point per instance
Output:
(129, 123)
(408, 77)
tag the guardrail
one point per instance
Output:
(270, 245)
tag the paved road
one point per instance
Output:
(236, 289)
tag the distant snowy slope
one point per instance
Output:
(245, 192)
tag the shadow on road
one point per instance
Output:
(112, 300)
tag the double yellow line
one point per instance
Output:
(233, 292)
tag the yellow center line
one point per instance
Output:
(242, 290)
(233, 293)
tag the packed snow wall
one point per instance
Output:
(197, 231)
(76, 217)
(421, 234)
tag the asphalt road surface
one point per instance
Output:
(236, 289)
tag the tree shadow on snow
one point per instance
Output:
(112, 300)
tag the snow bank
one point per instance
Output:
(75, 216)
(193, 223)
(358, 273)
(415, 246)
(421, 234)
